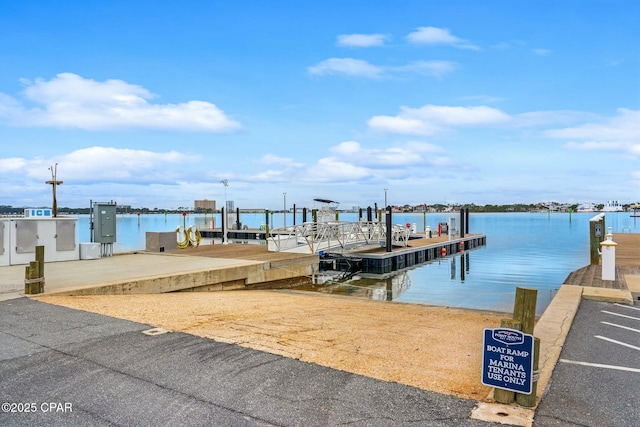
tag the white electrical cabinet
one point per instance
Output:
(4, 241)
(20, 236)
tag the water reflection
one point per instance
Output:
(386, 288)
(448, 281)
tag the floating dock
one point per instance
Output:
(375, 260)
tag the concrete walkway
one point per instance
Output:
(108, 271)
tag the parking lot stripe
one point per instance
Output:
(618, 342)
(627, 306)
(598, 365)
(621, 315)
(621, 326)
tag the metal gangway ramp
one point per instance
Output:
(312, 237)
(326, 233)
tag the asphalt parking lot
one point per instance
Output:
(69, 367)
(597, 379)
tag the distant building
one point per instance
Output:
(612, 206)
(204, 205)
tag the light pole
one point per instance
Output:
(225, 182)
(284, 210)
(385, 198)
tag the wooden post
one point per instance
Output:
(525, 311)
(500, 395)
(529, 400)
(27, 275)
(389, 226)
(40, 259)
(266, 220)
(32, 285)
(524, 308)
(511, 324)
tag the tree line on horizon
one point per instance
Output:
(434, 208)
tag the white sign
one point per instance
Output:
(38, 213)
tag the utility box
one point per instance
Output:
(5, 243)
(90, 251)
(452, 228)
(443, 228)
(161, 242)
(104, 223)
(19, 238)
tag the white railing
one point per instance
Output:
(311, 237)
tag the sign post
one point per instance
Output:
(507, 360)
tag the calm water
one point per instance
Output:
(536, 250)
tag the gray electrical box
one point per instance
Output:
(104, 223)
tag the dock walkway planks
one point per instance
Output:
(627, 263)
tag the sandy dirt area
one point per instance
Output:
(432, 348)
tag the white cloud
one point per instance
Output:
(402, 125)
(272, 159)
(269, 176)
(621, 133)
(593, 145)
(347, 66)
(331, 169)
(101, 164)
(411, 153)
(361, 40)
(12, 164)
(350, 161)
(70, 101)
(359, 68)
(430, 119)
(542, 52)
(431, 68)
(551, 117)
(438, 36)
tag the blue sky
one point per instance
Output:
(153, 103)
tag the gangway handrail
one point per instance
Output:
(320, 236)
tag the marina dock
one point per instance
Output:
(627, 264)
(376, 260)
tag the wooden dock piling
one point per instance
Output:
(34, 274)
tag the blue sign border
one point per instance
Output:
(507, 350)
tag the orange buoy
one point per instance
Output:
(461, 246)
(443, 251)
